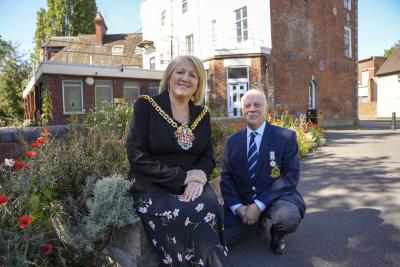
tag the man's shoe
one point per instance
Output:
(278, 244)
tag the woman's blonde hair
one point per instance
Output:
(198, 95)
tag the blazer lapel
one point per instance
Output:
(263, 151)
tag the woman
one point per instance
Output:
(170, 153)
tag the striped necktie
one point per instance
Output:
(252, 156)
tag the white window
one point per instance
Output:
(184, 6)
(347, 42)
(364, 77)
(189, 44)
(103, 92)
(241, 24)
(152, 63)
(163, 17)
(72, 97)
(131, 91)
(117, 50)
(213, 33)
(347, 4)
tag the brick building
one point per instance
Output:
(301, 53)
(84, 71)
(367, 89)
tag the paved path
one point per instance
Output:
(352, 190)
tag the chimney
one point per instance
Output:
(101, 28)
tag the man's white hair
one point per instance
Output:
(254, 91)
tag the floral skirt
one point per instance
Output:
(184, 233)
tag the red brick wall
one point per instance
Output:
(54, 83)
(315, 37)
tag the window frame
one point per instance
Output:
(130, 85)
(189, 41)
(347, 43)
(244, 30)
(152, 63)
(115, 50)
(184, 6)
(347, 4)
(63, 96)
(102, 83)
(163, 16)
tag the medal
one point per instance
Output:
(184, 136)
(272, 163)
(276, 172)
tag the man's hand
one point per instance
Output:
(252, 214)
(242, 213)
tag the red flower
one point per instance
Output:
(31, 154)
(306, 132)
(3, 199)
(47, 249)
(36, 145)
(20, 165)
(45, 132)
(41, 141)
(24, 221)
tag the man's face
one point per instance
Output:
(254, 110)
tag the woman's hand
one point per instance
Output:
(195, 176)
(193, 190)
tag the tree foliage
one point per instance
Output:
(389, 51)
(65, 18)
(13, 71)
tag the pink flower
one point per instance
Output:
(179, 257)
(188, 257)
(187, 221)
(152, 225)
(210, 216)
(176, 212)
(24, 221)
(199, 207)
(47, 249)
(143, 209)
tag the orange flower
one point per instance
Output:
(24, 221)
(45, 132)
(47, 249)
(31, 154)
(36, 145)
(41, 140)
(20, 165)
(3, 199)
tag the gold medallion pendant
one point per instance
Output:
(185, 136)
(276, 172)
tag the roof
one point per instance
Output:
(392, 64)
(83, 49)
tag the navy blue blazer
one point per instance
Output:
(236, 187)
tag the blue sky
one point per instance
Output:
(378, 25)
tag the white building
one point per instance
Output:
(388, 82)
(208, 29)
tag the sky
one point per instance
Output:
(378, 22)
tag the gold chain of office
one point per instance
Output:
(168, 118)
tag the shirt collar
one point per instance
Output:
(259, 131)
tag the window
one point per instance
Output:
(163, 17)
(237, 73)
(398, 78)
(189, 44)
(347, 42)
(364, 77)
(152, 63)
(72, 97)
(347, 4)
(103, 92)
(117, 50)
(131, 92)
(153, 90)
(184, 6)
(213, 33)
(241, 24)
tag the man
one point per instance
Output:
(259, 177)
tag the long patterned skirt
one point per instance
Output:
(184, 233)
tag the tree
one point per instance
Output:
(13, 72)
(64, 18)
(389, 51)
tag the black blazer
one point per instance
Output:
(158, 163)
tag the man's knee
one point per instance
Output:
(285, 216)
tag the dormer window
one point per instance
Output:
(117, 50)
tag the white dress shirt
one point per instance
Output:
(257, 139)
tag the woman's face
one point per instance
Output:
(184, 80)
